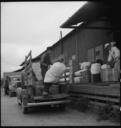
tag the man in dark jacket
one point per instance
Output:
(45, 62)
(6, 86)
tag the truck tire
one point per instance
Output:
(19, 101)
(10, 94)
(24, 109)
(62, 107)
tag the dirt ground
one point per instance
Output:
(11, 115)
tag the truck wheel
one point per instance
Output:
(62, 107)
(10, 94)
(19, 101)
(24, 109)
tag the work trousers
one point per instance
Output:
(117, 67)
(47, 87)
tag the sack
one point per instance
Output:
(83, 76)
(85, 65)
(55, 72)
(105, 66)
(76, 79)
(95, 68)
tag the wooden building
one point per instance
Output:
(86, 41)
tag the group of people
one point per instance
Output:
(51, 74)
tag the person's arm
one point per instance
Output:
(110, 56)
(116, 52)
(42, 61)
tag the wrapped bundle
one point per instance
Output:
(76, 79)
(62, 80)
(85, 65)
(105, 66)
(78, 73)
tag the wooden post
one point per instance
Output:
(61, 42)
(77, 54)
(71, 72)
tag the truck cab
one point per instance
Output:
(14, 79)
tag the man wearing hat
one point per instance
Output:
(114, 54)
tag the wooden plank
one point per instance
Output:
(98, 97)
(95, 89)
(56, 96)
(103, 104)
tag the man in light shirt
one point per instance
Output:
(114, 54)
(53, 75)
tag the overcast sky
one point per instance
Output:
(31, 25)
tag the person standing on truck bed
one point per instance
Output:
(53, 75)
(114, 55)
(45, 62)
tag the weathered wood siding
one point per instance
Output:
(84, 39)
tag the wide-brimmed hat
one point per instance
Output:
(106, 45)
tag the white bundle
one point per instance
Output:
(105, 66)
(85, 65)
(67, 68)
(62, 80)
(76, 79)
(95, 68)
(67, 78)
(67, 73)
(77, 73)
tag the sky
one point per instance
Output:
(32, 26)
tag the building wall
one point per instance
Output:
(56, 51)
(84, 39)
(93, 37)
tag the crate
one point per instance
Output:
(85, 76)
(109, 75)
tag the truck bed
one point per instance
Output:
(51, 97)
